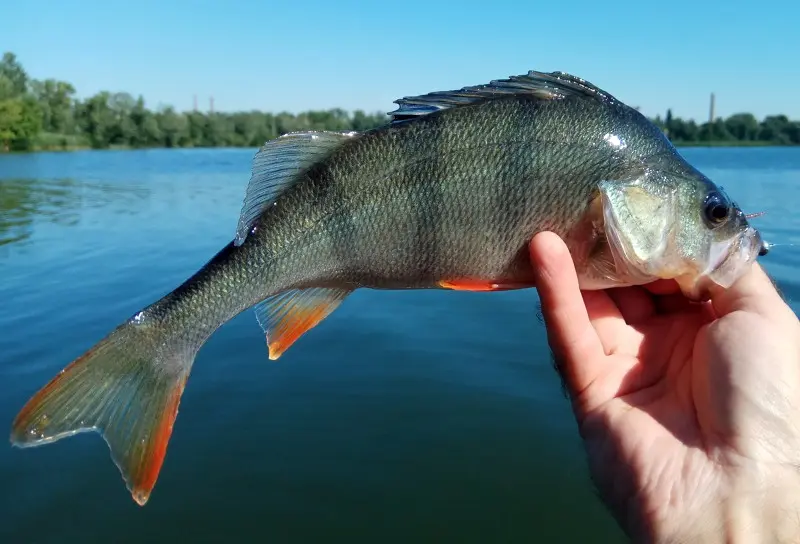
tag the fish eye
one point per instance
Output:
(717, 208)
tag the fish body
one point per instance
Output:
(447, 195)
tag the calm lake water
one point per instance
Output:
(405, 416)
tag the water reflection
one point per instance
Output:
(25, 202)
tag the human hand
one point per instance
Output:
(689, 413)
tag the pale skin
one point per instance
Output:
(689, 413)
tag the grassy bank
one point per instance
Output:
(49, 141)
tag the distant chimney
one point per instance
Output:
(195, 102)
(711, 110)
(211, 104)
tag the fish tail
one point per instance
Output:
(127, 387)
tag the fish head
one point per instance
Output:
(681, 226)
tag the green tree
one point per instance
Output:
(714, 132)
(775, 129)
(793, 132)
(742, 126)
(10, 116)
(97, 120)
(16, 79)
(56, 101)
(6, 88)
(197, 128)
(20, 122)
(174, 127)
(668, 123)
(146, 131)
(122, 131)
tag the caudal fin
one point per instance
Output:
(128, 388)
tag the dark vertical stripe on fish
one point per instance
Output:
(506, 196)
(344, 236)
(429, 212)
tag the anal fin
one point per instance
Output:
(285, 317)
(466, 284)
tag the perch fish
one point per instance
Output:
(446, 195)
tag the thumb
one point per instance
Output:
(754, 292)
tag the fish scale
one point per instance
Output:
(447, 196)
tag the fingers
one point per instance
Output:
(677, 303)
(607, 319)
(570, 332)
(637, 304)
(634, 303)
(663, 287)
(753, 292)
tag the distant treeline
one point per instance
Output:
(44, 114)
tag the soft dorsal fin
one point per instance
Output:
(277, 165)
(554, 85)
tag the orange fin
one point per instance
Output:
(285, 317)
(127, 388)
(481, 285)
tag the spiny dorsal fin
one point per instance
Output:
(277, 165)
(285, 317)
(552, 86)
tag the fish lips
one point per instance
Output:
(734, 260)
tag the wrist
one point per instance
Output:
(757, 508)
(766, 511)
(749, 507)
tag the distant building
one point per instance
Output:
(711, 109)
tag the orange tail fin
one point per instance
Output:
(128, 388)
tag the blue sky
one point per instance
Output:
(303, 54)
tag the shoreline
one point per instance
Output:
(70, 149)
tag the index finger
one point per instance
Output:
(569, 329)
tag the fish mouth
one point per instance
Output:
(729, 261)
